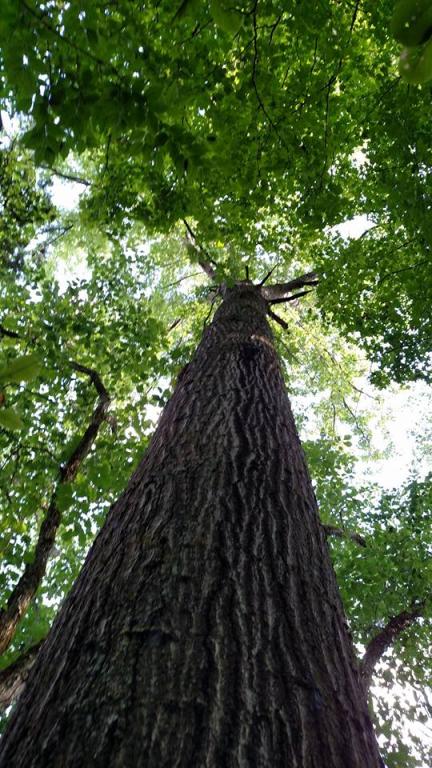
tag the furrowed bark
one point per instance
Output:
(205, 628)
(13, 678)
(384, 639)
(28, 584)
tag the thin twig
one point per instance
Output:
(254, 76)
(42, 19)
(174, 324)
(268, 275)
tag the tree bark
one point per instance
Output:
(205, 628)
(13, 678)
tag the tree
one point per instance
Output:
(208, 599)
(252, 130)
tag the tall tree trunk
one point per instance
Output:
(206, 627)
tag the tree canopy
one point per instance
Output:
(234, 136)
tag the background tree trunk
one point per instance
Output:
(205, 628)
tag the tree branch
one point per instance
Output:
(280, 291)
(34, 572)
(13, 678)
(205, 263)
(277, 319)
(10, 334)
(268, 275)
(67, 176)
(333, 530)
(290, 298)
(383, 639)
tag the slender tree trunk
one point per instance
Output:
(206, 627)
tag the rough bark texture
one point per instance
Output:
(13, 678)
(206, 627)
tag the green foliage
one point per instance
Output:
(24, 203)
(249, 122)
(415, 64)
(411, 23)
(379, 581)
(264, 125)
(23, 368)
(9, 419)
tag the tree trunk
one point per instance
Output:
(206, 627)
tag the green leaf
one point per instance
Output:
(24, 368)
(411, 22)
(415, 64)
(64, 496)
(9, 419)
(228, 19)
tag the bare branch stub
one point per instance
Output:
(385, 637)
(278, 319)
(267, 276)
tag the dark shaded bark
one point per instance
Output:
(206, 627)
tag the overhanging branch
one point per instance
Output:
(34, 572)
(283, 291)
(384, 639)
